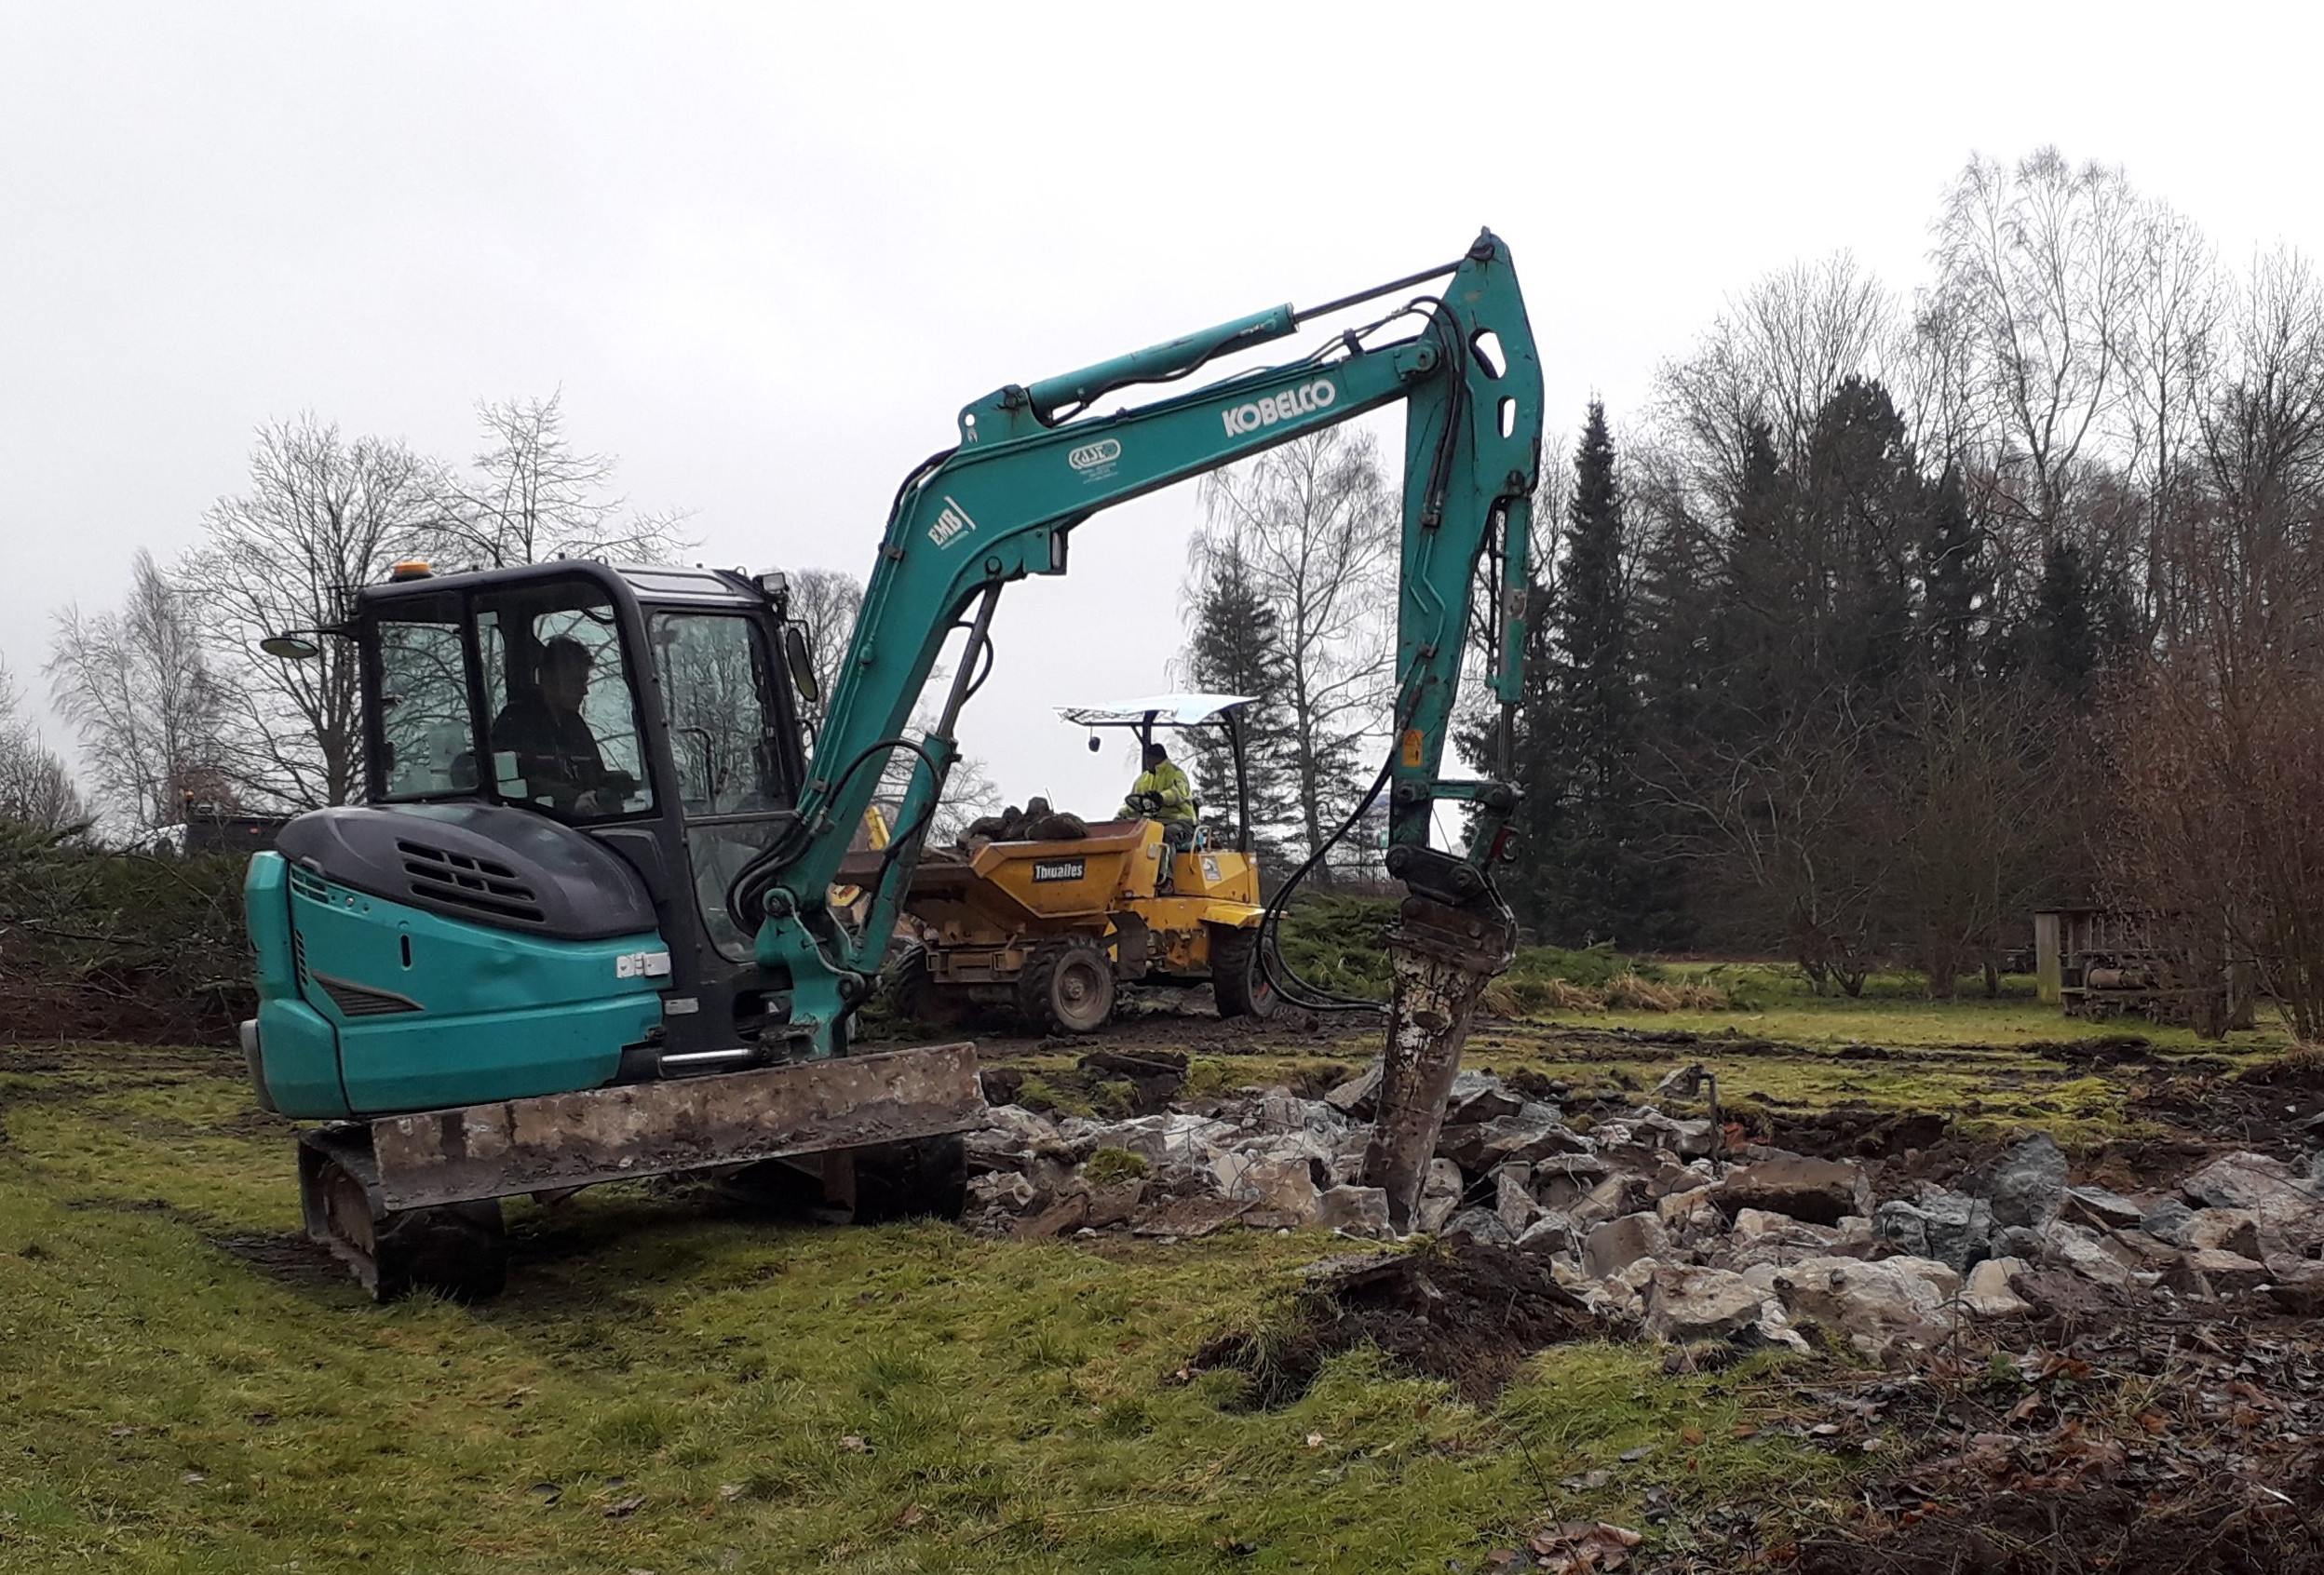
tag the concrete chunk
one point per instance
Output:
(1618, 1244)
(1987, 1292)
(1358, 1211)
(2027, 1185)
(1439, 1196)
(1685, 1304)
(1817, 1190)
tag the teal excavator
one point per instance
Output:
(580, 929)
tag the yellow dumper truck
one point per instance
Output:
(1053, 927)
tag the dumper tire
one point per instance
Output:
(1067, 988)
(1241, 987)
(913, 992)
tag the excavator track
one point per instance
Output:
(459, 1250)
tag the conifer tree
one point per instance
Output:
(1234, 647)
(1591, 875)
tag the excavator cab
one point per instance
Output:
(567, 763)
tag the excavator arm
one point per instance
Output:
(1031, 466)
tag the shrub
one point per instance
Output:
(96, 944)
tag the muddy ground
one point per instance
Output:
(2104, 1434)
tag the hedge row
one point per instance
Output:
(96, 944)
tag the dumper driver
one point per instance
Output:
(1163, 793)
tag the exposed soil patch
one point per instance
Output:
(2119, 1439)
(1463, 1313)
(2194, 1532)
(295, 1260)
(2270, 1108)
(1859, 1132)
(2107, 1050)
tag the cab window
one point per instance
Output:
(427, 738)
(721, 729)
(563, 734)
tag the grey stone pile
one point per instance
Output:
(1636, 1212)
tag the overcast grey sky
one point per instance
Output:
(768, 252)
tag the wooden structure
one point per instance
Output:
(2097, 962)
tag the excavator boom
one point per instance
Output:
(1031, 466)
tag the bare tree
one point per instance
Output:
(2263, 432)
(2038, 267)
(529, 495)
(1982, 803)
(2171, 332)
(1773, 357)
(137, 685)
(36, 788)
(1314, 527)
(825, 602)
(1794, 819)
(322, 516)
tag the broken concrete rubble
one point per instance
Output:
(1439, 1196)
(1631, 1217)
(1817, 1190)
(2280, 1199)
(1618, 1244)
(1951, 1227)
(1987, 1291)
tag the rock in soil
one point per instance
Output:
(1686, 1304)
(1817, 1190)
(2027, 1185)
(1618, 1244)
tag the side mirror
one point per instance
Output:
(291, 648)
(801, 661)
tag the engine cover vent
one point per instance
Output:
(363, 1001)
(466, 880)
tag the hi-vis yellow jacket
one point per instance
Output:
(1169, 784)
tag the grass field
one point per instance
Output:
(668, 1385)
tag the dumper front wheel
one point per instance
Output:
(1242, 988)
(913, 992)
(1068, 988)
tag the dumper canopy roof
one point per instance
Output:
(1155, 710)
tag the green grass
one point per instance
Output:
(167, 1405)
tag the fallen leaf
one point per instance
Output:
(1690, 1435)
(625, 1508)
(911, 1515)
(194, 1477)
(126, 1429)
(1579, 1546)
(1315, 1441)
(853, 1444)
(730, 1490)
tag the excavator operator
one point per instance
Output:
(1163, 793)
(555, 749)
